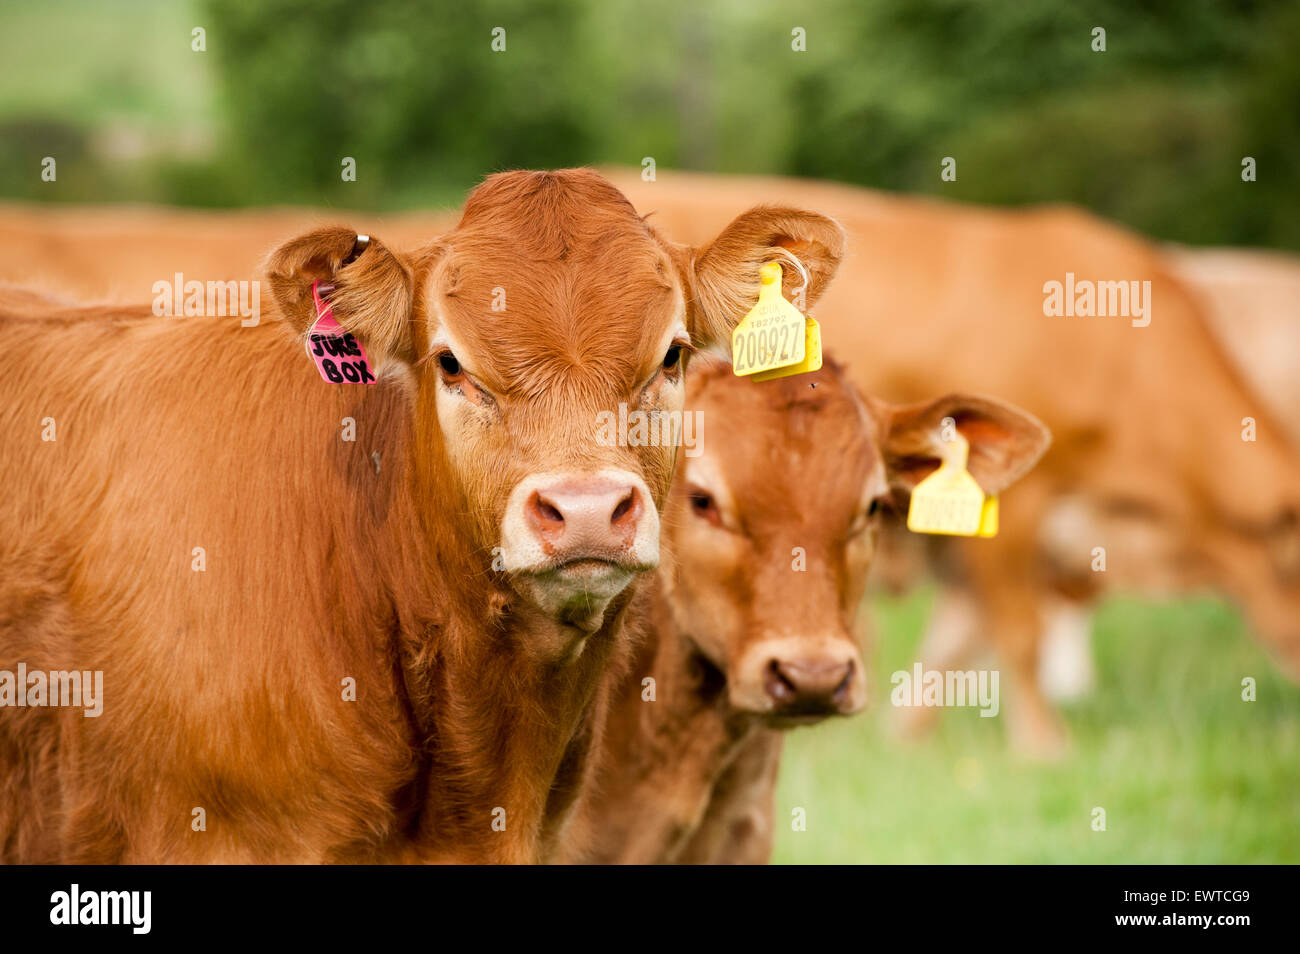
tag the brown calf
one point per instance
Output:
(769, 534)
(321, 648)
(1148, 459)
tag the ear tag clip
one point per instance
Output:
(773, 334)
(338, 355)
(950, 501)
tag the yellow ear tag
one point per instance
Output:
(950, 501)
(989, 518)
(772, 334)
(812, 355)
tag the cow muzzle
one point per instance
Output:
(574, 541)
(797, 680)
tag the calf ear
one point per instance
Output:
(725, 272)
(1005, 442)
(372, 290)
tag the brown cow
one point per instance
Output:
(1148, 460)
(314, 648)
(117, 253)
(1252, 301)
(769, 534)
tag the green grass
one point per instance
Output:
(1186, 770)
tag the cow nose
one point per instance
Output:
(585, 519)
(810, 686)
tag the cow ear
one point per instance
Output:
(725, 272)
(1005, 442)
(372, 289)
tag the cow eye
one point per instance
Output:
(448, 363)
(704, 506)
(862, 522)
(673, 357)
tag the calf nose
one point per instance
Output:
(810, 686)
(579, 518)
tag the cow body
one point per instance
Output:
(160, 450)
(1252, 300)
(116, 253)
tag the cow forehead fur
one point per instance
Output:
(553, 283)
(784, 484)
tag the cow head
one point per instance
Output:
(518, 334)
(772, 527)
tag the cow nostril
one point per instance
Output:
(545, 513)
(845, 684)
(778, 685)
(625, 507)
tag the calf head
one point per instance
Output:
(551, 306)
(772, 527)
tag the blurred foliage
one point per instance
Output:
(1151, 132)
(406, 89)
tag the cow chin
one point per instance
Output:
(577, 593)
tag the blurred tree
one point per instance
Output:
(411, 91)
(1151, 131)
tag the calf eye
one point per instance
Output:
(863, 521)
(705, 507)
(673, 357)
(448, 363)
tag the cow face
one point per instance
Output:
(772, 528)
(551, 310)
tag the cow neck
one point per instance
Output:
(497, 724)
(660, 760)
(698, 704)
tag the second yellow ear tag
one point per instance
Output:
(950, 501)
(772, 334)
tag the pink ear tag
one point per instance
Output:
(338, 355)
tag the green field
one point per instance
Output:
(1186, 770)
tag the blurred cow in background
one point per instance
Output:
(1252, 301)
